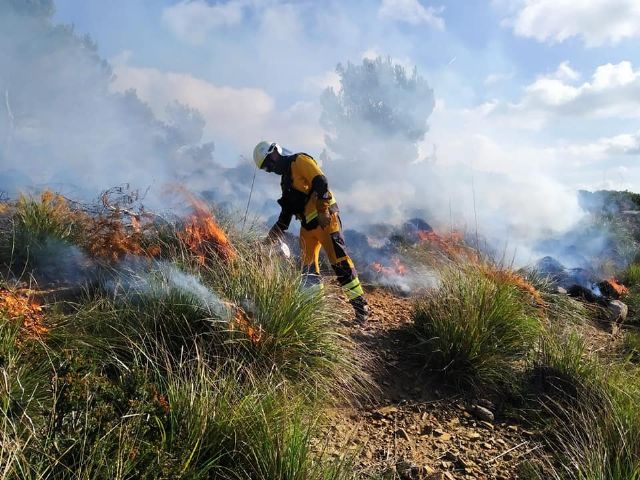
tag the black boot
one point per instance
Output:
(361, 308)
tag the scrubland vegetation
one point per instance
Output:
(132, 346)
(194, 362)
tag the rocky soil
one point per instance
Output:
(413, 428)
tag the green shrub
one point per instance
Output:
(297, 325)
(474, 326)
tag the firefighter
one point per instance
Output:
(306, 194)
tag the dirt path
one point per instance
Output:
(414, 429)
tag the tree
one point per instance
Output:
(379, 108)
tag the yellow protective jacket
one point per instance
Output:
(305, 191)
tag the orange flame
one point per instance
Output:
(20, 307)
(243, 323)
(202, 231)
(618, 288)
(110, 239)
(396, 268)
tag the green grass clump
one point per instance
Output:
(587, 410)
(562, 367)
(632, 275)
(35, 229)
(285, 329)
(133, 406)
(475, 326)
(631, 346)
(299, 338)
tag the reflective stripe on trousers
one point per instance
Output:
(332, 241)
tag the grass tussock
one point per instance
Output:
(588, 411)
(631, 346)
(474, 326)
(632, 275)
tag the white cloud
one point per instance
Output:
(565, 73)
(192, 20)
(411, 12)
(613, 91)
(596, 22)
(602, 149)
(236, 116)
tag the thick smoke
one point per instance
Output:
(377, 129)
(61, 127)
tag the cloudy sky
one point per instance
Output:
(534, 99)
(550, 85)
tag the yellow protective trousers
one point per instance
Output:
(332, 241)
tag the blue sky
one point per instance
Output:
(541, 94)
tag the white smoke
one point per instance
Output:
(66, 122)
(62, 128)
(386, 165)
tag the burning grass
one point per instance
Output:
(506, 276)
(451, 245)
(187, 357)
(26, 312)
(202, 235)
(51, 232)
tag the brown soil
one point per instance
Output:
(413, 428)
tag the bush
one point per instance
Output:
(297, 325)
(259, 315)
(132, 409)
(475, 325)
(561, 366)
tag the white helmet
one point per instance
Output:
(263, 149)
